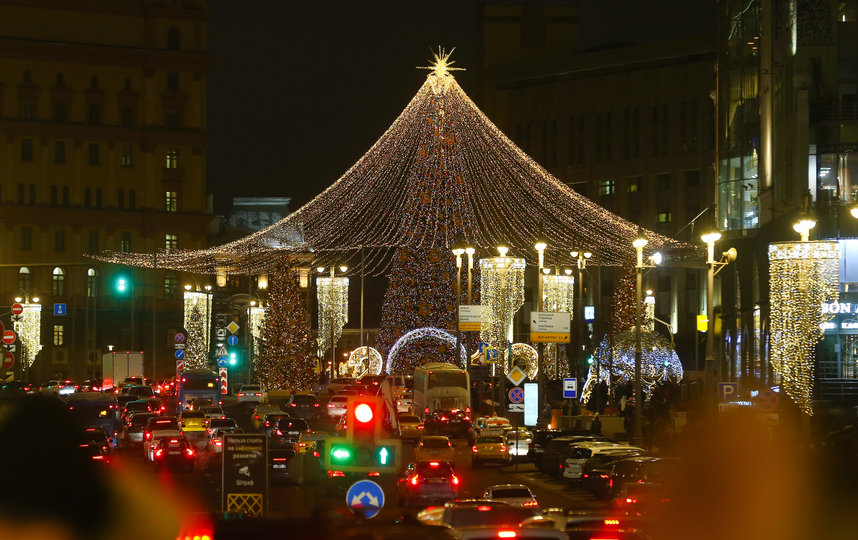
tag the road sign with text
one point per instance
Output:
(470, 318)
(547, 327)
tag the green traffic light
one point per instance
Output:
(383, 456)
(341, 454)
(122, 284)
(232, 359)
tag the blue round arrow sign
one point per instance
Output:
(365, 498)
(232, 340)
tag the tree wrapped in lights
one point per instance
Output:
(286, 359)
(332, 294)
(197, 320)
(421, 293)
(441, 172)
(803, 277)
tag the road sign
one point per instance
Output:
(516, 395)
(515, 407)
(481, 346)
(8, 360)
(59, 309)
(570, 388)
(531, 403)
(546, 327)
(727, 390)
(9, 336)
(516, 375)
(365, 498)
(221, 333)
(232, 341)
(244, 474)
(222, 351)
(768, 400)
(589, 313)
(9, 347)
(179, 337)
(470, 318)
(223, 379)
(232, 327)
(180, 354)
(180, 366)
(181, 346)
(222, 361)
(17, 309)
(492, 355)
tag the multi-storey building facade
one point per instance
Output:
(630, 127)
(103, 112)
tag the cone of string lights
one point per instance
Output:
(558, 296)
(332, 293)
(197, 321)
(802, 276)
(502, 289)
(442, 171)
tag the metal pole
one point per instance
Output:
(154, 318)
(711, 366)
(361, 296)
(133, 287)
(458, 301)
(638, 435)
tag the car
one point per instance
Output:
(335, 385)
(434, 448)
(213, 411)
(215, 442)
(216, 423)
(509, 531)
(638, 469)
(141, 391)
(541, 437)
(156, 427)
(251, 393)
(288, 432)
(572, 464)
(304, 406)
(518, 440)
(337, 406)
(258, 414)
(197, 404)
(279, 459)
(410, 426)
(25, 387)
(403, 404)
(372, 382)
(449, 422)
(482, 513)
(173, 452)
(514, 494)
(59, 387)
(134, 426)
(95, 443)
(491, 425)
(579, 523)
(138, 405)
(269, 422)
(91, 385)
(402, 385)
(555, 450)
(427, 481)
(489, 448)
(124, 399)
(193, 425)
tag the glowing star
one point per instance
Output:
(442, 65)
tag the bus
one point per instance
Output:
(94, 409)
(197, 384)
(440, 385)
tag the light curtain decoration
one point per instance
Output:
(803, 276)
(524, 356)
(614, 362)
(333, 296)
(197, 321)
(558, 296)
(502, 296)
(257, 319)
(29, 330)
(365, 361)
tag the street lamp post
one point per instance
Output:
(540, 362)
(458, 252)
(639, 243)
(713, 368)
(581, 258)
(470, 252)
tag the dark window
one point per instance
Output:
(132, 199)
(94, 113)
(127, 115)
(21, 197)
(65, 199)
(127, 157)
(59, 152)
(32, 193)
(87, 197)
(172, 119)
(54, 195)
(26, 149)
(94, 154)
(60, 240)
(26, 238)
(25, 108)
(173, 80)
(173, 39)
(663, 182)
(60, 111)
(120, 199)
(99, 198)
(171, 285)
(93, 241)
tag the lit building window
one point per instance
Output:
(58, 335)
(125, 242)
(172, 201)
(24, 279)
(634, 185)
(606, 187)
(91, 283)
(664, 216)
(58, 277)
(171, 242)
(127, 157)
(171, 285)
(172, 158)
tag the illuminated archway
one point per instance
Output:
(365, 360)
(424, 333)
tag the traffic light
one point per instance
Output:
(364, 448)
(122, 284)
(233, 360)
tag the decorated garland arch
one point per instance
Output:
(424, 333)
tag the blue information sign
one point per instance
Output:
(59, 309)
(180, 354)
(221, 361)
(570, 388)
(232, 341)
(365, 498)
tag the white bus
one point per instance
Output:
(439, 385)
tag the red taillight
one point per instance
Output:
(190, 452)
(218, 442)
(294, 404)
(506, 534)
(336, 474)
(484, 508)
(530, 504)
(474, 448)
(426, 410)
(433, 464)
(241, 394)
(258, 394)
(279, 459)
(331, 405)
(503, 448)
(316, 454)
(419, 427)
(374, 473)
(159, 452)
(467, 410)
(455, 480)
(98, 457)
(415, 479)
(279, 433)
(631, 500)
(147, 435)
(604, 476)
(443, 418)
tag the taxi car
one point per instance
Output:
(258, 414)
(193, 425)
(434, 448)
(489, 448)
(410, 426)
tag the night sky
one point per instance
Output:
(300, 90)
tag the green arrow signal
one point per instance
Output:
(382, 456)
(341, 453)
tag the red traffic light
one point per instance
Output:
(363, 413)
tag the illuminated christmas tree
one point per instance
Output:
(286, 359)
(623, 302)
(196, 351)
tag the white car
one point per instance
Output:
(514, 494)
(403, 404)
(251, 393)
(213, 411)
(518, 440)
(158, 434)
(337, 406)
(579, 453)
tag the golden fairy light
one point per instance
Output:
(558, 296)
(365, 361)
(803, 277)
(333, 296)
(523, 355)
(442, 172)
(197, 310)
(502, 290)
(257, 320)
(29, 330)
